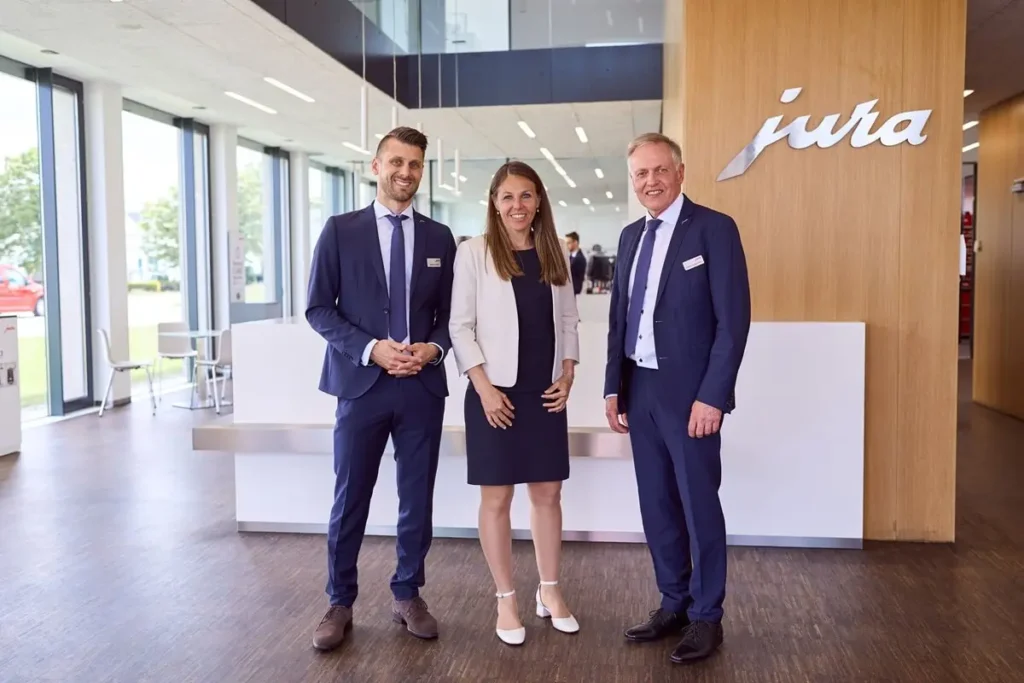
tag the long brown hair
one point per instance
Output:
(554, 270)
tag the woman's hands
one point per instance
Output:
(558, 393)
(497, 407)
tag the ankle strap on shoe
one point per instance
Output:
(549, 583)
(505, 595)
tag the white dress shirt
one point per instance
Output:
(646, 355)
(384, 230)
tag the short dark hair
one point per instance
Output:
(573, 236)
(407, 135)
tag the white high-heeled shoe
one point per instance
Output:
(564, 624)
(510, 636)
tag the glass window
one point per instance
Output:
(74, 359)
(256, 223)
(21, 237)
(154, 239)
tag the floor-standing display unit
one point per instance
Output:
(10, 387)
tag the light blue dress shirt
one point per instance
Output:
(384, 230)
(646, 355)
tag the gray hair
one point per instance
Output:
(654, 139)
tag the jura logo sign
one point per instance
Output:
(890, 134)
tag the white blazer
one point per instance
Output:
(484, 323)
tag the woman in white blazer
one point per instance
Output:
(513, 330)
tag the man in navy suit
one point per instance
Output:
(678, 324)
(380, 294)
(577, 262)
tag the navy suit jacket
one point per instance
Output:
(578, 269)
(347, 301)
(701, 315)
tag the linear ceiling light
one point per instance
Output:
(586, 201)
(973, 145)
(599, 173)
(483, 203)
(581, 134)
(526, 129)
(558, 167)
(288, 89)
(251, 103)
(967, 92)
(356, 148)
(561, 202)
(608, 195)
(970, 124)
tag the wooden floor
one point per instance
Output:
(119, 561)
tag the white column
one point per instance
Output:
(224, 210)
(107, 249)
(301, 250)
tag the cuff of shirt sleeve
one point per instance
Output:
(440, 354)
(366, 352)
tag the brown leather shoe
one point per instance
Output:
(333, 627)
(416, 617)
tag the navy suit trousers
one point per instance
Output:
(678, 478)
(405, 410)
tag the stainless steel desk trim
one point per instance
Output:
(584, 536)
(237, 438)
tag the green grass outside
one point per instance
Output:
(32, 362)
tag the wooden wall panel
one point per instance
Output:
(999, 292)
(842, 233)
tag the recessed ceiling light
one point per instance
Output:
(967, 92)
(251, 103)
(599, 173)
(288, 89)
(608, 194)
(973, 145)
(970, 124)
(561, 202)
(526, 129)
(586, 201)
(581, 134)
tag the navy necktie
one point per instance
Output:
(636, 296)
(398, 326)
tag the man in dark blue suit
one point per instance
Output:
(678, 324)
(577, 262)
(380, 294)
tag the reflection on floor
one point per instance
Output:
(119, 562)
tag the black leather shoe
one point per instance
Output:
(700, 639)
(660, 624)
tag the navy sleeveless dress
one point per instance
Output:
(536, 447)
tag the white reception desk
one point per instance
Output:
(792, 452)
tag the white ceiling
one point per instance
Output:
(180, 56)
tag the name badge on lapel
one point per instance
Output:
(693, 263)
(433, 263)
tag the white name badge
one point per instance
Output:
(433, 263)
(693, 263)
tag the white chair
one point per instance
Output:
(172, 348)
(117, 366)
(220, 361)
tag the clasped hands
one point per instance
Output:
(402, 360)
(705, 420)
